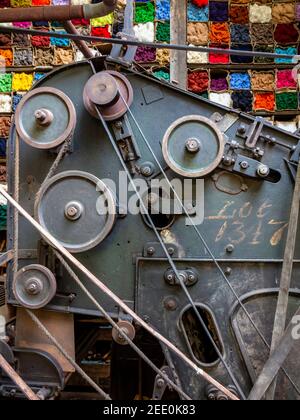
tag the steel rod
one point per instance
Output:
(12, 374)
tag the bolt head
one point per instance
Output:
(118, 124)
(244, 165)
(146, 171)
(228, 271)
(160, 382)
(72, 211)
(242, 129)
(171, 251)
(170, 304)
(192, 145)
(230, 248)
(263, 170)
(150, 250)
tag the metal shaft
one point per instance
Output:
(60, 13)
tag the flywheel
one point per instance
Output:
(76, 208)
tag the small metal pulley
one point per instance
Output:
(111, 92)
(34, 286)
(127, 328)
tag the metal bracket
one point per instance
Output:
(154, 249)
(224, 122)
(296, 154)
(160, 385)
(6, 257)
(126, 142)
(125, 57)
(251, 133)
(188, 276)
(255, 169)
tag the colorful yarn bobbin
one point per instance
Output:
(219, 33)
(239, 81)
(287, 101)
(162, 9)
(285, 79)
(163, 31)
(264, 101)
(197, 14)
(22, 82)
(198, 81)
(144, 12)
(242, 101)
(218, 11)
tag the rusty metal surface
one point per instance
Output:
(115, 91)
(30, 395)
(41, 13)
(60, 325)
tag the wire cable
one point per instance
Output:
(130, 42)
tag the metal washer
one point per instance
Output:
(77, 208)
(193, 146)
(40, 130)
(34, 286)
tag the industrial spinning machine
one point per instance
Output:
(148, 304)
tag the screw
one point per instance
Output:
(146, 318)
(171, 251)
(72, 211)
(228, 271)
(118, 124)
(191, 277)
(211, 396)
(170, 304)
(150, 250)
(230, 248)
(160, 383)
(263, 170)
(170, 277)
(242, 129)
(192, 145)
(244, 165)
(146, 171)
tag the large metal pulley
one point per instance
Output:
(111, 92)
(45, 118)
(76, 208)
(193, 146)
(34, 286)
